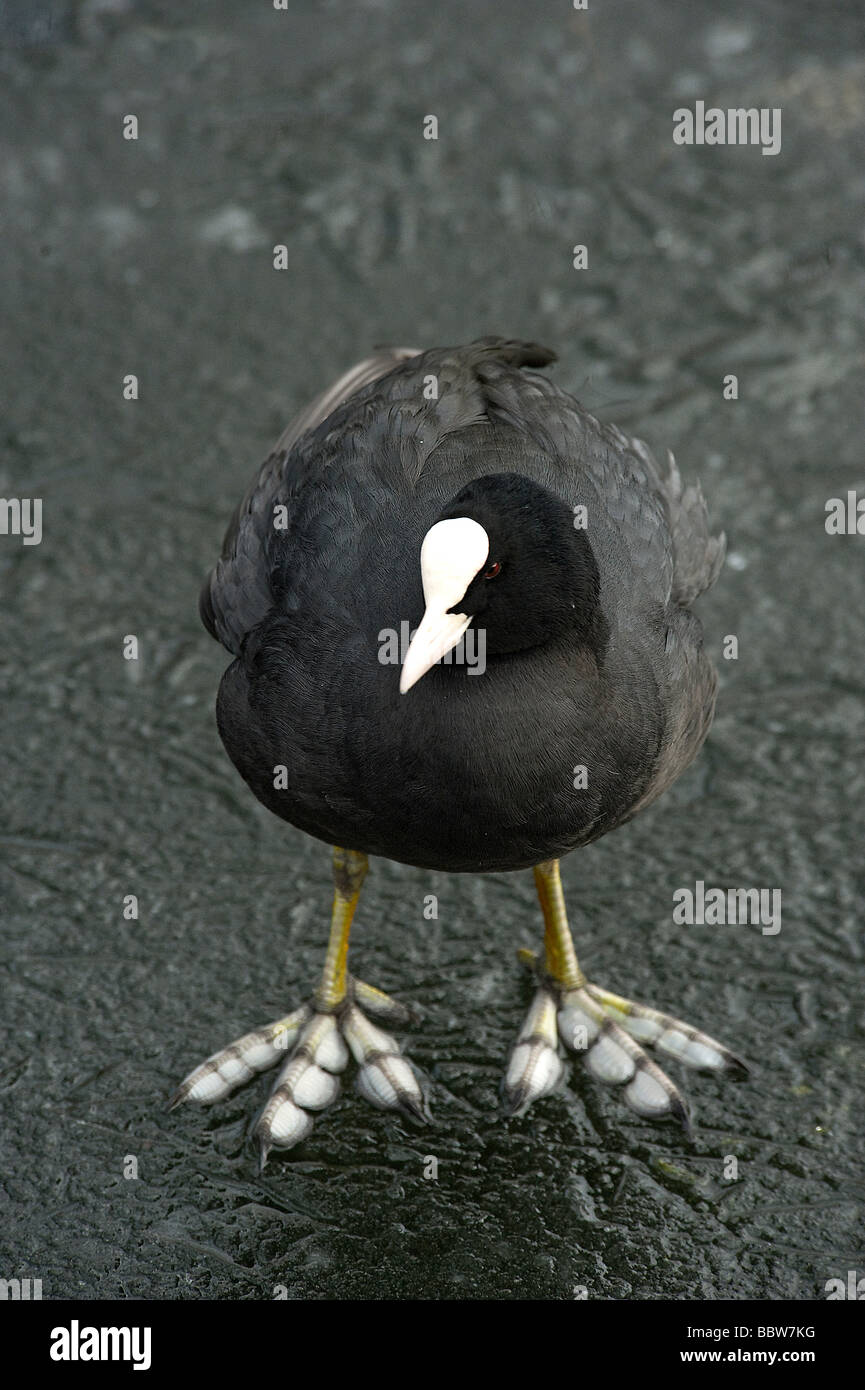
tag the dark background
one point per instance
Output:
(154, 257)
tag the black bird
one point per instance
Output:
(550, 562)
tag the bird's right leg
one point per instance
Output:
(316, 1039)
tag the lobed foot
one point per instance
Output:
(316, 1044)
(607, 1031)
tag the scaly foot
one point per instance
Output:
(607, 1031)
(316, 1044)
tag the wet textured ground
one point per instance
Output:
(154, 258)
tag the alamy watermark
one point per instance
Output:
(77, 1343)
(470, 650)
(719, 907)
(736, 126)
(853, 1288)
(845, 516)
(21, 516)
(20, 1290)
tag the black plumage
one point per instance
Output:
(464, 773)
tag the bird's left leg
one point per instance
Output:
(605, 1028)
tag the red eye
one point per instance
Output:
(493, 570)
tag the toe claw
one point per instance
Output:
(735, 1067)
(535, 1070)
(417, 1108)
(385, 1078)
(388, 1082)
(535, 1067)
(515, 1102)
(679, 1111)
(652, 1095)
(283, 1124)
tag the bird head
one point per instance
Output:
(504, 556)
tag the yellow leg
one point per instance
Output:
(560, 956)
(313, 1044)
(349, 872)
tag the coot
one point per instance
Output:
(556, 683)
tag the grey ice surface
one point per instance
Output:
(154, 257)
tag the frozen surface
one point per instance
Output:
(153, 257)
